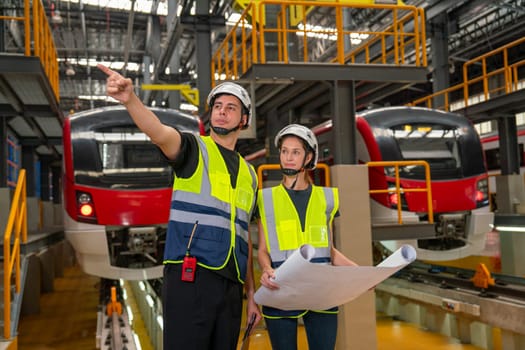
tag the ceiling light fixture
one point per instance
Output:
(70, 71)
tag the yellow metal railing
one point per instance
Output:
(15, 232)
(404, 42)
(37, 30)
(261, 168)
(249, 40)
(398, 190)
(497, 78)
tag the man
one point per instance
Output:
(208, 253)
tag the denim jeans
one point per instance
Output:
(321, 331)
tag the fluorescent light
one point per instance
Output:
(510, 228)
(137, 341)
(143, 6)
(150, 301)
(160, 321)
(130, 314)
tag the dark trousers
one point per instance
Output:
(321, 331)
(200, 315)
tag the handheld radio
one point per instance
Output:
(189, 263)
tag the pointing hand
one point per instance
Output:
(117, 86)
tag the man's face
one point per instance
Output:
(226, 112)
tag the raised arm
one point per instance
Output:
(167, 138)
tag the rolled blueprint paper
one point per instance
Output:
(309, 286)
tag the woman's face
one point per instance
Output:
(292, 154)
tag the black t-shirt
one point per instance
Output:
(185, 165)
(300, 201)
(187, 160)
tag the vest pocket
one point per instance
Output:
(288, 235)
(243, 199)
(220, 186)
(317, 235)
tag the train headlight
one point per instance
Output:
(84, 198)
(482, 193)
(394, 198)
(86, 208)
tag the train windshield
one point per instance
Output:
(444, 146)
(119, 157)
(435, 143)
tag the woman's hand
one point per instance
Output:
(268, 279)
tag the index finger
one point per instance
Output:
(105, 69)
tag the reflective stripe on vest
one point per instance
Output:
(208, 197)
(282, 225)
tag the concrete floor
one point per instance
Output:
(67, 320)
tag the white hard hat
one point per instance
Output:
(304, 134)
(235, 90)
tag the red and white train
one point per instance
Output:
(459, 179)
(116, 192)
(117, 185)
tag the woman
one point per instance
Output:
(294, 213)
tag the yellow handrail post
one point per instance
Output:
(398, 190)
(255, 14)
(27, 28)
(17, 224)
(340, 35)
(262, 50)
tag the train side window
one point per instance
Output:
(492, 158)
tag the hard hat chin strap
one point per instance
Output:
(223, 131)
(293, 172)
(290, 172)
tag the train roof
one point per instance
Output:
(389, 116)
(118, 115)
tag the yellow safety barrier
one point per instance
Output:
(191, 95)
(43, 44)
(246, 43)
(504, 77)
(15, 231)
(398, 190)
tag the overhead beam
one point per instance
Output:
(332, 72)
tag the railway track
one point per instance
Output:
(510, 288)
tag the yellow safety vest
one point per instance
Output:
(223, 212)
(282, 226)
